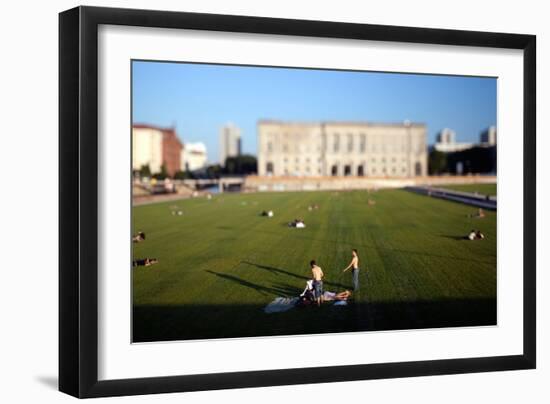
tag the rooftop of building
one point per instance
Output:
(340, 123)
(148, 126)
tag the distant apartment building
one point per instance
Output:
(446, 142)
(155, 147)
(489, 136)
(230, 142)
(193, 157)
(467, 158)
(341, 149)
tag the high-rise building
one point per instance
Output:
(489, 136)
(230, 142)
(341, 149)
(446, 142)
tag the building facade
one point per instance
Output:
(156, 147)
(341, 149)
(230, 142)
(146, 148)
(193, 157)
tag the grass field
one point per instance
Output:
(484, 189)
(221, 263)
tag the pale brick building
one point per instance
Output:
(341, 149)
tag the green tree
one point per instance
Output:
(213, 171)
(182, 175)
(145, 171)
(437, 163)
(239, 165)
(163, 173)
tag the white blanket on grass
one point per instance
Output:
(281, 304)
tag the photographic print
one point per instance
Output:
(272, 201)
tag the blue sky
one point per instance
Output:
(198, 99)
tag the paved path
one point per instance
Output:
(468, 198)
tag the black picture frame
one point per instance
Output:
(78, 200)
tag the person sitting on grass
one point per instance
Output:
(298, 223)
(307, 297)
(475, 235)
(138, 237)
(144, 262)
(479, 215)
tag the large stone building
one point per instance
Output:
(341, 149)
(155, 147)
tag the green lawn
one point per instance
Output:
(221, 263)
(484, 189)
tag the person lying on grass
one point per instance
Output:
(138, 237)
(307, 297)
(298, 223)
(145, 262)
(328, 296)
(475, 235)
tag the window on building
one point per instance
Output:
(336, 145)
(350, 142)
(363, 143)
(285, 148)
(334, 170)
(269, 147)
(347, 169)
(360, 170)
(269, 168)
(418, 168)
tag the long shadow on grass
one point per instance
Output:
(204, 321)
(275, 290)
(276, 271)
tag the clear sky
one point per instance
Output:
(199, 98)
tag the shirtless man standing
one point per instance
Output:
(318, 275)
(354, 265)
